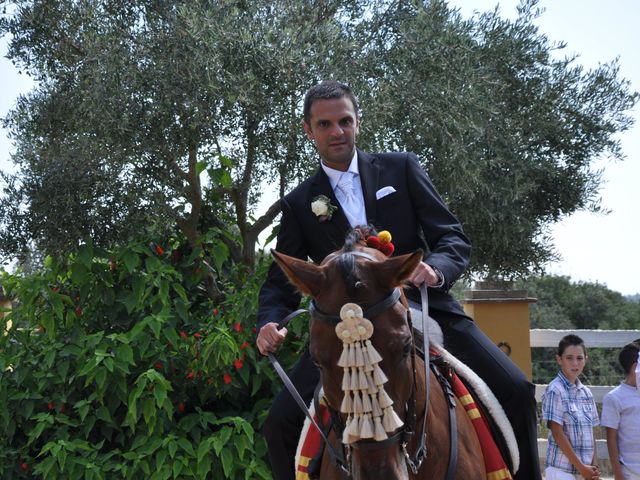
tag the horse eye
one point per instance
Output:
(359, 284)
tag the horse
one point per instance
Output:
(359, 276)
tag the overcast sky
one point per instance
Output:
(594, 248)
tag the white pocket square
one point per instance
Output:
(384, 191)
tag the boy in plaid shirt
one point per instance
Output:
(570, 412)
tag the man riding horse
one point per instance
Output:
(389, 191)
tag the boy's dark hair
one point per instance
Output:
(327, 90)
(629, 355)
(570, 341)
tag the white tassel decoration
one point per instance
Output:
(366, 427)
(379, 433)
(390, 421)
(347, 403)
(374, 356)
(346, 380)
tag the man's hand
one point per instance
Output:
(270, 338)
(424, 273)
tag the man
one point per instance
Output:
(391, 192)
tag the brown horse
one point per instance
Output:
(365, 276)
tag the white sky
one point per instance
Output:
(593, 247)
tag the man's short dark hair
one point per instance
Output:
(570, 341)
(327, 90)
(629, 355)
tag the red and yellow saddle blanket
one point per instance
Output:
(496, 467)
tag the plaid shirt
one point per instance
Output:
(572, 406)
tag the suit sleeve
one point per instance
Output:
(449, 247)
(278, 297)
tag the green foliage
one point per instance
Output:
(562, 304)
(149, 114)
(118, 365)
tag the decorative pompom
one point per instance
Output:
(390, 420)
(384, 236)
(387, 249)
(350, 311)
(374, 242)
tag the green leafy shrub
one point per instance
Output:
(118, 365)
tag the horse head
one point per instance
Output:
(380, 390)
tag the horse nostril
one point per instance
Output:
(359, 284)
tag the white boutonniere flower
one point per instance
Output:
(321, 206)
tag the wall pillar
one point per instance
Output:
(502, 313)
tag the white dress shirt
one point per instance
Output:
(352, 203)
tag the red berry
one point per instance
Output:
(159, 250)
(78, 311)
(216, 311)
(237, 327)
(50, 406)
(226, 378)
(244, 345)
(24, 466)
(61, 410)
(190, 375)
(181, 407)
(237, 363)
(254, 329)
(197, 335)
(183, 334)
(157, 366)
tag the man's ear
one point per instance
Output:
(307, 130)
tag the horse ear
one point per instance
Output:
(395, 270)
(306, 276)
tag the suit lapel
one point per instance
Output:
(369, 174)
(321, 186)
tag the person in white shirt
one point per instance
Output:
(621, 417)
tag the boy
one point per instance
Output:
(621, 417)
(570, 412)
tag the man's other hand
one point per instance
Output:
(270, 338)
(425, 274)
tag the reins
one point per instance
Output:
(414, 461)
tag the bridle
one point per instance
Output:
(402, 436)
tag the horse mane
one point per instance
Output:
(346, 262)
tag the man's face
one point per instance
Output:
(333, 127)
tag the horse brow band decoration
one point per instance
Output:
(369, 408)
